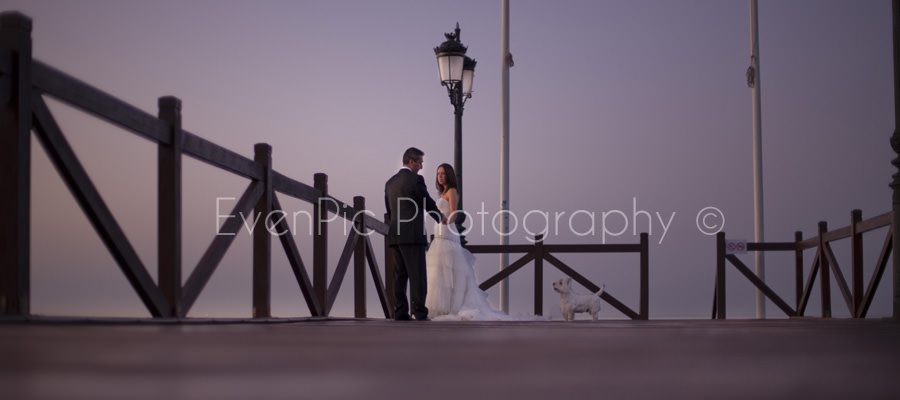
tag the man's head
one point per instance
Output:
(413, 158)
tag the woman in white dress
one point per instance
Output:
(453, 292)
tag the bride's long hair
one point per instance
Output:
(449, 178)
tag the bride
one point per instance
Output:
(453, 293)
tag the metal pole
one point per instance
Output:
(757, 159)
(457, 158)
(895, 143)
(504, 146)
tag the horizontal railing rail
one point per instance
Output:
(78, 94)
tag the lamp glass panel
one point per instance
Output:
(444, 67)
(456, 67)
(467, 80)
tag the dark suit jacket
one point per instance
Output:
(407, 201)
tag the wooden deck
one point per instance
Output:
(375, 359)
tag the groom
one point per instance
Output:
(407, 201)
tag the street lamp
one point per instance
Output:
(457, 73)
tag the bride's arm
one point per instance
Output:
(453, 199)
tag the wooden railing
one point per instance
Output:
(538, 252)
(824, 264)
(24, 83)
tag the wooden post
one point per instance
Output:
(895, 144)
(262, 237)
(824, 271)
(359, 258)
(645, 277)
(320, 240)
(856, 249)
(15, 162)
(539, 275)
(720, 275)
(798, 269)
(388, 269)
(169, 205)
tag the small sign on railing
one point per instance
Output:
(735, 246)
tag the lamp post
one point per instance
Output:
(457, 72)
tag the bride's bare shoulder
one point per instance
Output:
(447, 194)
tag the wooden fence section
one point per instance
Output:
(824, 264)
(24, 83)
(538, 252)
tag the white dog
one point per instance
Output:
(571, 302)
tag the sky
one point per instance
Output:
(616, 107)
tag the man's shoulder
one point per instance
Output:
(395, 176)
(401, 178)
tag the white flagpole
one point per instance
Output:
(757, 155)
(504, 146)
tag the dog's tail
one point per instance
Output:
(599, 292)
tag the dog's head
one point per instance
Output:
(563, 285)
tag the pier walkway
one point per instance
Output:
(378, 359)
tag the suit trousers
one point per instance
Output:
(410, 266)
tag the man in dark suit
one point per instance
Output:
(407, 201)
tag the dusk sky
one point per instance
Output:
(613, 103)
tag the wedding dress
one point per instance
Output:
(453, 292)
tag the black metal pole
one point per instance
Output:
(457, 152)
(457, 97)
(895, 143)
